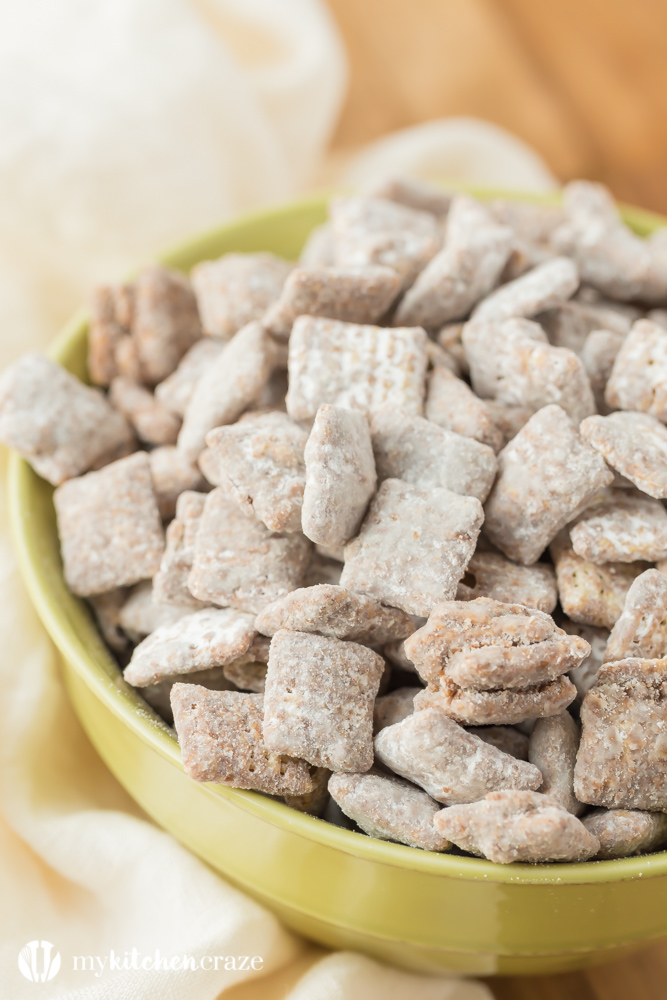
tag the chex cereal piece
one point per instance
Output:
(625, 527)
(553, 749)
(109, 527)
(451, 403)
(393, 707)
(248, 675)
(405, 253)
(506, 706)
(609, 256)
(260, 462)
(175, 392)
(322, 569)
(487, 645)
(419, 452)
(172, 475)
(641, 630)
(166, 322)
(228, 387)
(545, 474)
(624, 832)
(505, 738)
(413, 546)
(318, 250)
(141, 614)
(413, 193)
(510, 365)
(389, 809)
(60, 426)
(112, 309)
(208, 638)
(635, 444)
(360, 367)
(335, 612)
(571, 323)
(450, 764)
(598, 355)
(340, 476)
(220, 735)
(152, 421)
(350, 294)
(638, 379)
(361, 216)
(107, 608)
(314, 803)
(544, 287)
(491, 575)
(590, 594)
(622, 758)
(466, 269)
(170, 584)
(238, 562)
(583, 676)
(237, 289)
(510, 826)
(509, 419)
(318, 701)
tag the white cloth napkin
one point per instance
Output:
(126, 125)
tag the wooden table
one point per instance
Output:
(585, 82)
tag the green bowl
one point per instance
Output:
(421, 911)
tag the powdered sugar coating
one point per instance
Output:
(453, 766)
(319, 700)
(416, 451)
(335, 612)
(598, 355)
(635, 444)
(152, 421)
(622, 758)
(389, 809)
(625, 832)
(60, 426)
(571, 323)
(583, 676)
(491, 575)
(392, 708)
(208, 638)
(641, 630)
(175, 392)
(172, 475)
(237, 289)
(109, 526)
(165, 322)
(510, 826)
(413, 546)
(553, 749)
(141, 614)
(260, 462)
(638, 378)
(350, 294)
(545, 474)
(170, 584)
(506, 706)
(544, 287)
(505, 738)
(626, 527)
(451, 403)
(406, 253)
(220, 735)
(353, 366)
(340, 475)
(238, 562)
(111, 316)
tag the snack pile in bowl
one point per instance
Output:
(382, 533)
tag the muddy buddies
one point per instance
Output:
(382, 532)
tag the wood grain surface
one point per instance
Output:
(583, 81)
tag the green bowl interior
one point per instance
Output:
(283, 231)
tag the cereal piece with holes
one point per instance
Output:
(175, 392)
(220, 735)
(545, 474)
(389, 809)
(622, 758)
(553, 749)
(625, 527)
(451, 403)
(635, 444)
(338, 613)
(60, 426)
(260, 461)
(641, 630)
(543, 287)
(318, 701)
(413, 546)
(449, 763)
(237, 289)
(208, 638)
(238, 562)
(172, 475)
(417, 451)
(109, 526)
(170, 584)
(152, 421)
(638, 379)
(350, 294)
(358, 367)
(509, 826)
(166, 322)
(491, 575)
(625, 832)
(340, 476)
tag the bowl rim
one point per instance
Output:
(124, 702)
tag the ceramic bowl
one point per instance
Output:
(422, 911)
